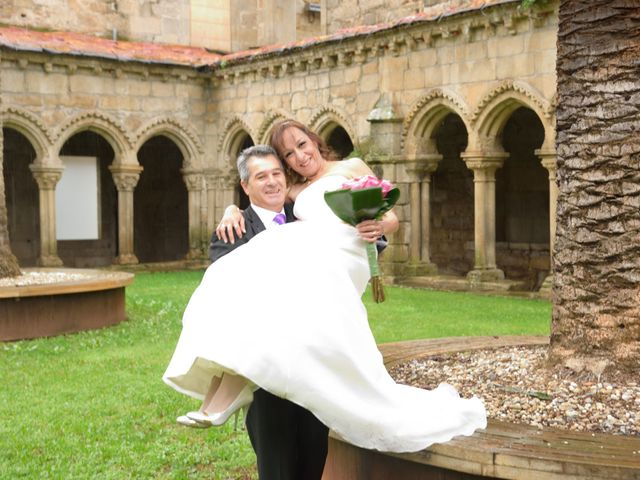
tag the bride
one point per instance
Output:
(284, 313)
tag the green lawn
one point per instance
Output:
(93, 405)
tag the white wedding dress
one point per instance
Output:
(285, 312)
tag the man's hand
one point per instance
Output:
(231, 225)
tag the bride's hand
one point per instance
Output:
(231, 225)
(370, 230)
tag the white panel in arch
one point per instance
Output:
(77, 194)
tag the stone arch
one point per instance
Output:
(328, 121)
(181, 134)
(495, 109)
(31, 127)
(425, 116)
(270, 119)
(109, 128)
(328, 118)
(231, 138)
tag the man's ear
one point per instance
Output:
(244, 187)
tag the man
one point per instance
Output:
(289, 441)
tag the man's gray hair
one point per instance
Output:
(260, 151)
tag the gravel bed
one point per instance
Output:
(516, 388)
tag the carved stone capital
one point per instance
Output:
(125, 176)
(212, 178)
(484, 162)
(192, 179)
(549, 160)
(229, 179)
(423, 165)
(47, 177)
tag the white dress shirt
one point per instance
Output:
(267, 215)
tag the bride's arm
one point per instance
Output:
(232, 225)
(232, 222)
(371, 230)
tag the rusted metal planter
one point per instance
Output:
(93, 300)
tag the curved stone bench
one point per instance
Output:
(502, 450)
(96, 299)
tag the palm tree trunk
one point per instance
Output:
(8, 263)
(596, 314)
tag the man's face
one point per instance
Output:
(267, 184)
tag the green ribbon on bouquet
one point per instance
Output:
(355, 206)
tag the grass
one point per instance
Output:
(92, 405)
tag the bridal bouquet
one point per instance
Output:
(365, 198)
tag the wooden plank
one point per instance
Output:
(509, 450)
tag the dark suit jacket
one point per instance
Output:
(253, 225)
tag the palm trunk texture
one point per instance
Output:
(596, 313)
(8, 263)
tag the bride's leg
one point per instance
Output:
(233, 394)
(229, 389)
(189, 422)
(213, 388)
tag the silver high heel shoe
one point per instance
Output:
(187, 422)
(244, 398)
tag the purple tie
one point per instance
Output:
(280, 219)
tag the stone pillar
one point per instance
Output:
(415, 172)
(126, 178)
(420, 172)
(549, 161)
(194, 181)
(484, 166)
(229, 181)
(212, 185)
(47, 178)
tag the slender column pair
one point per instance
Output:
(195, 184)
(420, 171)
(549, 161)
(484, 166)
(47, 177)
(126, 178)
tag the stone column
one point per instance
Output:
(126, 178)
(212, 185)
(484, 166)
(193, 179)
(420, 172)
(229, 181)
(47, 178)
(549, 161)
(416, 172)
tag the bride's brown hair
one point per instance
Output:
(277, 142)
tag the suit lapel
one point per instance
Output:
(288, 211)
(252, 222)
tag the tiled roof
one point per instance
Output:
(86, 45)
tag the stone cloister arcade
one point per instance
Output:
(150, 190)
(458, 112)
(480, 188)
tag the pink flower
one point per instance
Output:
(367, 181)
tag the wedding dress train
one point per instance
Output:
(285, 312)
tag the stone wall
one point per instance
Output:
(350, 13)
(481, 67)
(229, 25)
(390, 92)
(165, 21)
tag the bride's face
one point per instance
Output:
(301, 153)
